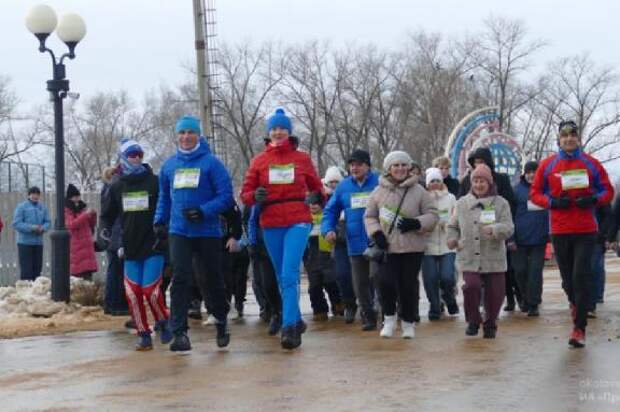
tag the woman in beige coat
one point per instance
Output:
(478, 231)
(405, 244)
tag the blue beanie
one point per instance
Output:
(279, 119)
(128, 145)
(188, 123)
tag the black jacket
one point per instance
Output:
(138, 238)
(452, 184)
(501, 180)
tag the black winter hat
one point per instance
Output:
(361, 156)
(72, 191)
(34, 189)
(568, 126)
(530, 166)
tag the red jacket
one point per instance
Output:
(285, 201)
(82, 255)
(548, 183)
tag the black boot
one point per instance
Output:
(369, 321)
(472, 329)
(533, 311)
(275, 324)
(291, 337)
(180, 343)
(349, 312)
(223, 334)
(194, 310)
(489, 332)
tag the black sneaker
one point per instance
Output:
(301, 326)
(533, 311)
(472, 329)
(489, 333)
(433, 316)
(524, 307)
(265, 315)
(290, 338)
(510, 307)
(453, 308)
(369, 322)
(180, 343)
(349, 314)
(223, 334)
(274, 325)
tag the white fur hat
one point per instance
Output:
(332, 173)
(395, 157)
(433, 173)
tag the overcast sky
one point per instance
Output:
(137, 44)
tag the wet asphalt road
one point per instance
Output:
(529, 367)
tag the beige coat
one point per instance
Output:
(417, 204)
(476, 251)
(436, 240)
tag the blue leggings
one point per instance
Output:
(286, 246)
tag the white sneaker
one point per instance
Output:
(210, 320)
(408, 329)
(389, 325)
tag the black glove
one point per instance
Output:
(260, 194)
(380, 240)
(560, 202)
(160, 231)
(406, 224)
(586, 201)
(193, 214)
(314, 198)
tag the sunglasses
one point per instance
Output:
(134, 154)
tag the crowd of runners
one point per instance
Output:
(362, 235)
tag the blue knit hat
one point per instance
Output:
(279, 119)
(126, 147)
(188, 123)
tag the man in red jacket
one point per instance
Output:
(572, 184)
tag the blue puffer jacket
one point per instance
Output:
(213, 194)
(26, 217)
(531, 226)
(357, 240)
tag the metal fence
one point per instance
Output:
(17, 177)
(9, 262)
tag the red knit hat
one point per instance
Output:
(484, 172)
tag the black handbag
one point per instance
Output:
(373, 252)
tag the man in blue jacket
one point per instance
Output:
(194, 190)
(351, 196)
(531, 237)
(31, 220)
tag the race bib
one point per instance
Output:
(186, 178)
(532, 207)
(359, 200)
(487, 216)
(281, 174)
(444, 215)
(575, 179)
(387, 215)
(135, 201)
(316, 230)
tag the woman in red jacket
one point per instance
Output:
(81, 222)
(279, 179)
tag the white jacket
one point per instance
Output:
(436, 241)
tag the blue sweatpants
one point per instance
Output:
(286, 246)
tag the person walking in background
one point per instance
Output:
(133, 197)
(351, 197)
(398, 213)
(604, 218)
(194, 190)
(438, 270)
(478, 230)
(443, 163)
(31, 220)
(530, 237)
(572, 184)
(279, 179)
(81, 222)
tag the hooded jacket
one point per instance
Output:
(436, 240)
(285, 204)
(418, 204)
(476, 251)
(531, 222)
(137, 237)
(548, 183)
(501, 180)
(348, 189)
(188, 180)
(81, 225)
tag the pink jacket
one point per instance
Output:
(81, 227)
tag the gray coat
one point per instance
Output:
(418, 204)
(476, 251)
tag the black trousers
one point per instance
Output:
(573, 253)
(528, 262)
(266, 279)
(237, 265)
(512, 287)
(208, 254)
(398, 281)
(30, 261)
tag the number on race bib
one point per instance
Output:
(359, 200)
(186, 178)
(575, 179)
(135, 201)
(281, 174)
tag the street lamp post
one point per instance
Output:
(42, 21)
